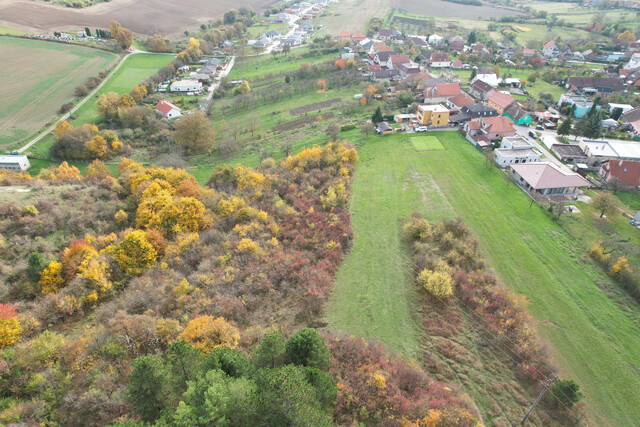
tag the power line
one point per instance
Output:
(477, 326)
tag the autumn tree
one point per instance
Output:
(242, 88)
(134, 254)
(157, 44)
(605, 203)
(10, 330)
(437, 283)
(207, 332)
(51, 278)
(195, 133)
(367, 128)
(333, 130)
(73, 258)
(62, 127)
(138, 92)
(322, 85)
(124, 37)
(627, 36)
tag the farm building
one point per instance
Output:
(14, 163)
(168, 110)
(383, 128)
(186, 86)
(622, 171)
(433, 115)
(601, 151)
(547, 179)
(515, 150)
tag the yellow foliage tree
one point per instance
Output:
(96, 271)
(51, 278)
(64, 172)
(10, 330)
(627, 36)
(62, 127)
(138, 93)
(437, 283)
(135, 253)
(207, 333)
(96, 147)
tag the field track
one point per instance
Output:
(144, 17)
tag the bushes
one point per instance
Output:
(618, 270)
(206, 333)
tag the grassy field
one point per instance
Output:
(593, 337)
(136, 68)
(11, 31)
(426, 143)
(48, 74)
(253, 67)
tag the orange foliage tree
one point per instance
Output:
(74, 256)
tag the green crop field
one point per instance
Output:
(49, 73)
(136, 68)
(11, 31)
(593, 337)
(426, 143)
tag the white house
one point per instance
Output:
(168, 110)
(515, 150)
(14, 163)
(272, 35)
(435, 39)
(634, 62)
(186, 86)
(491, 79)
(550, 49)
(547, 179)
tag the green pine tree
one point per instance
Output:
(565, 128)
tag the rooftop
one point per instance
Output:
(517, 141)
(434, 108)
(508, 152)
(12, 158)
(547, 175)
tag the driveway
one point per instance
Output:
(546, 134)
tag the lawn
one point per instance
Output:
(593, 337)
(136, 68)
(426, 143)
(11, 31)
(49, 73)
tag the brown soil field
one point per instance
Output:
(43, 76)
(445, 9)
(351, 15)
(300, 122)
(316, 106)
(144, 17)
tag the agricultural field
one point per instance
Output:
(350, 15)
(136, 68)
(445, 9)
(144, 17)
(11, 31)
(592, 335)
(48, 74)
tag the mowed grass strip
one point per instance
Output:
(593, 339)
(426, 143)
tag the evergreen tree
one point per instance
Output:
(308, 348)
(87, 31)
(473, 37)
(377, 115)
(147, 387)
(473, 73)
(565, 128)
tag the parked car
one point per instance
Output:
(533, 135)
(421, 129)
(539, 127)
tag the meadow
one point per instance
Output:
(48, 74)
(253, 67)
(592, 336)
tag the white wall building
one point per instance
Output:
(14, 163)
(186, 86)
(515, 150)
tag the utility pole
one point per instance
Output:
(547, 383)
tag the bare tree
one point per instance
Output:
(235, 127)
(254, 122)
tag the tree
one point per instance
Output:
(271, 351)
(62, 127)
(10, 329)
(114, 27)
(605, 203)
(134, 254)
(183, 364)
(566, 392)
(377, 116)
(51, 278)
(333, 130)
(627, 36)
(242, 88)
(322, 85)
(473, 37)
(489, 156)
(206, 333)
(616, 113)
(254, 122)
(437, 283)
(147, 387)
(124, 37)
(308, 348)
(367, 128)
(87, 31)
(35, 264)
(474, 72)
(195, 132)
(286, 48)
(565, 127)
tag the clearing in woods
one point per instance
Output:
(593, 338)
(43, 76)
